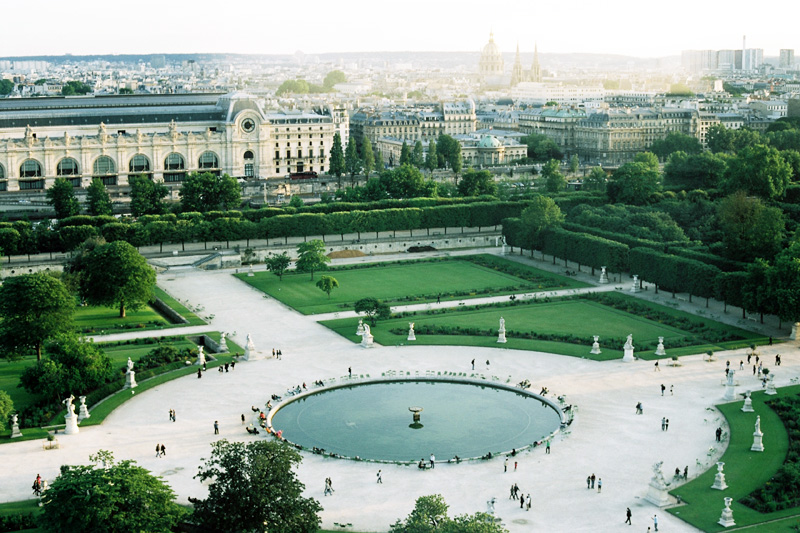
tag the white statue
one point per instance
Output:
(502, 324)
(14, 419)
(222, 337)
(411, 335)
(730, 377)
(70, 407)
(411, 326)
(249, 340)
(758, 424)
(629, 343)
(490, 506)
(366, 330)
(130, 364)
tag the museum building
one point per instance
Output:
(164, 137)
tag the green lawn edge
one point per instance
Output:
(175, 305)
(745, 471)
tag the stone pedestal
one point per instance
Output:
(726, 520)
(250, 353)
(223, 343)
(15, 432)
(719, 479)
(627, 350)
(83, 411)
(730, 392)
(72, 424)
(603, 276)
(657, 491)
(596, 346)
(660, 351)
(748, 404)
(250, 273)
(771, 385)
(505, 249)
(635, 286)
(793, 336)
(501, 333)
(201, 356)
(758, 442)
(130, 380)
(360, 329)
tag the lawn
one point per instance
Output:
(179, 308)
(745, 471)
(408, 282)
(94, 319)
(565, 327)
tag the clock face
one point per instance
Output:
(248, 125)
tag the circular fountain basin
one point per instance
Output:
(371, 420)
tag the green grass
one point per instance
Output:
(179, 308)
(94, 319)
(403, 283)
(580, 318)
(745, 471)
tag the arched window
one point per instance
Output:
(105, 169)
(30, 173)
(3, 182)
(68, 168)
(209, 162)
(249, 165)
(140, 165)
(174, 168)
(2, 173)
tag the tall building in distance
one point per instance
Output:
(786, 58)
(491, 63)
(536, 69)
(742, 59)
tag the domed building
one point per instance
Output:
(491, 63)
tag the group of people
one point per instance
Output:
(524, 503)
(276, 353)
(422, 465)
(161, 450)
(39, 485)
(172, 415)
(328, 487)
(226, 366)
(592, 480)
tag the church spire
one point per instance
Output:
(536, 70)
(516, 72)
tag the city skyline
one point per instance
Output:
(618, 27)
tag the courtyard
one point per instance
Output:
(607, 438)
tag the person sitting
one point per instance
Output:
(254, 408)
(269, 404)
(262, 415)
(252, 430)
(421, 464)
(304, 386)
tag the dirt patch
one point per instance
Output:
(416, 249)
(346, 253)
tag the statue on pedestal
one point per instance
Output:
(411, 335)
(596, 345)
(501, 334)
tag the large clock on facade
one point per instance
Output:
(248, 125)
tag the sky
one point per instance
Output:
(630, 27)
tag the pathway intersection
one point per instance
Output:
(606, 438)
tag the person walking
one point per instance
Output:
(628, 516)
(663, 423)
(350, 371)
(433, 461)
(655, 523)
(671, 390)
(639, 409)
(686, 472)
(663, 388)
(511, 494)
(380, 478)
(216, 427)
(158, 450)
(163, 450)
(242, 418)
(200, 373)
(666, 425)
(588, 482)
(505, 465)
(547, 446)
(592, 479)
(522, 501)
(599, 485)
(473, 364)
(719, 434)
(515, 466)
(528, 503)
(656, 368)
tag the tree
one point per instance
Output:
(574, 164)
(431, 160)
(649, 159)
(351, 161)
(406, 181)
(596, 180)
(72, 88)
(6, 408)
(147, 196)
(785, 282)
(254, 488)
(476, 183)
(113, 497)
(6, 87)
(336, 161)
(405, 154)
(634, 183)
(278, 264)
(675, 142)
(62, 197)
(430, 516)
(379, 166)
(116, 274)
(759, 170)
(34, 307)
(326, 284)
(554, 180)
(418, 155)
(368, 157)
(750, 229)
(695, 171)
(295, 201)
(311, 257)
(719, 139)
(542, 213)
(332, 78)
(373, 309)
(208, 192)
(73, 366)
(98, 199)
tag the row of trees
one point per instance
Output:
(20, 237)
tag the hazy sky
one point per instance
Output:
(632, 27)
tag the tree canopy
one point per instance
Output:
(62, 197)
(373, 309)
(116, 274)
(554, 180)
(254, 488)
(113, 497)
(352, 161)
(34, 307)
(72, 88)
(542, 213)
(750, 229)
(147, 196)
(99, 203)
(311, 257)
(208, 192)
(336, 165)
(326, 284)
(758, 170)
(634, 183)
(332, 78)
(430, 516)
(477, 183)
(277, 264)
(676, 142)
